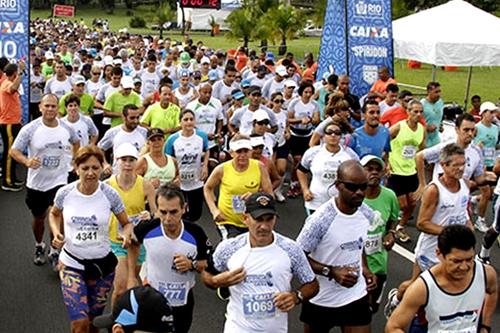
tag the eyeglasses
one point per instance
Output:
(263, 122)
(333, 132)
(94, 73)
(278, 101)
(353, 187)
(256, 94)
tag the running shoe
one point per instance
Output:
(54, 259)
(292, 191)
(474, 204)
(12, 188)
(279, 196)
(223, 293)
(19, 182)
(402, 235)
(484, 260)
(39, 258)
(392, 302)
(481, 225)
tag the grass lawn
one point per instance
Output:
(485, 80)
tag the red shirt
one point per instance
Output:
(395, 114)
(10, 104)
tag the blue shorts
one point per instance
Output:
(84, 298)
(119, 251)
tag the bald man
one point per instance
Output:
(340, 256)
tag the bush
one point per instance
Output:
(137, 22)
(129, 13)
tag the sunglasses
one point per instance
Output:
(278, 101)
(256, 94)
(263, 122)
(353, 187)
(94, 73)
(333, 132)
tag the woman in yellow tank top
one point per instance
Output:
(134, 191)
(237, 179)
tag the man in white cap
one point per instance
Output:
(277, 83)
(86, 100)
(113, 106)
(59, 84)
(48, 65)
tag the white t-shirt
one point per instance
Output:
(271, 86)
(337, 239)
(323, 166)
(53, 145)
(269, 270)
(184, 99)
(92, 88)
(221, 91)
(116, 136)
(58, 88)
(282, 119)
(150, 83)
(35, 91)
(104, 92)
(84, 127)
(243, 119)
(86, 221)
(300, 110)
(207, 116)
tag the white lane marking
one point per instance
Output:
(404, 252)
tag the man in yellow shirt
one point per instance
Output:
(163, 114)
(113, 106)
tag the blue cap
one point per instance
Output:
(237, 94)
(184, 73)
(213, 75)
(245, 83)
(269, 56)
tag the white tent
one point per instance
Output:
(452, 34)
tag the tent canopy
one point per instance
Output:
(452, 34)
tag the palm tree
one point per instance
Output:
(241, 25)
(285, 22)
(163, 15)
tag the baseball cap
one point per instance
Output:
(136, 80)
(245, 83)
(259, 204)
(369, 158)
(185, 57)
(184, 73)
(205, 60)
(269, 56)
(281, 70)
(237, 94)
(140, 308)
(487, 106)
(240, 144)
(117, 61)
(260, 115)
(78, 80)
(127, 82)
(152, 132)
(108, 60)
(262, 68)
(213, 75)
(254, 89)
(197, 75)
(126, 149)
(290, 83)
(257, 141)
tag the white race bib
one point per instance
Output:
(489, 153)
(188, 175)
(373, 243)
(462, 330)
(51, 161)
(258, 306)
(238, 204)
(409, 152)
(175, 292)
(86, 235)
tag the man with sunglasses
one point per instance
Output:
(338, 258)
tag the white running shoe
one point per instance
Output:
(481, 225)
(392, 302)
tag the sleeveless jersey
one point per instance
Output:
(455, 313)
(165, 173)
(134, 201)
(404, 147)
(234, 184)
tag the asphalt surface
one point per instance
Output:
(31, 300)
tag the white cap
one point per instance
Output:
(487, 106)
(117, 61)
(368, 158)
(49, 55)
(108, 60)
(257, 141)
(260, 115)
(281, 70)
(78, 80)
(290, 83)
(126, 149)
(240, 144)
(204, 60)
(127, 82)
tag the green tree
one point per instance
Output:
(163, 14)
(284, 22)
(241, 25)
(487, 5)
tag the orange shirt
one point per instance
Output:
(10, 104)
(379, 86)
(395, 114)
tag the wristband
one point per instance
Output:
(486, 327)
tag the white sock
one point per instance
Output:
(42, 244)
(485, 253)
(399, 227)
(52, 250)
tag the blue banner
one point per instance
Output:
(357, 40)
(14, 42)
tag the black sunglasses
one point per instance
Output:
(332, 132)
(353, 187)
(96, 73)
(278, 101)
(263, 122)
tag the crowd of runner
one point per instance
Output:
(130, 136)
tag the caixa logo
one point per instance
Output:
(9, 6)
(368, 8)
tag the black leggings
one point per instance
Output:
(183, 315)
(194, 200)
(9, 133)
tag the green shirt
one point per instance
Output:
(67, 58)
(46, 69)
(86, 104)
(158, 117)
(386, 208)
(116, 101)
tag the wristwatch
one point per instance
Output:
(194, 265)
(300, 298)
(325, 271)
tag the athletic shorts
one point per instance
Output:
(375, 296)
(283, 151)
(322, 319)
(230, 231)
(38, 202)
(84, 299)
(402, 185)
(299, 144)
(119, 251)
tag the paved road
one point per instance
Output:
(31, 301)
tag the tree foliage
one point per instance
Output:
(285, 22)
(241, 24)
(486, 5)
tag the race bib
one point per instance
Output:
(86, 235)
(258, 306)
(238, 204)
(330, 172)
(409, 151)
(489, 153)
(51, 162)
(188, 175)
(373, 243)
(174, 292)
(135, 219)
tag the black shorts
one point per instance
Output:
(322, 319)
(402, 185)
(283, 151)
(38, 201)
(375, 296)
(299, 144)
(230, 231)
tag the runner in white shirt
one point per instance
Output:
(175, 252)
(190, 148)
(59, 84)
(79, 221)
(81, 124)
(338, 256)
(223, 88)
(51, 145)
(258, 267)
(149, 77)
(261, 123)
(129, 131)
(322, 162)
(104, 92)
(276, 83)
(92, 87)
(185, 93)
